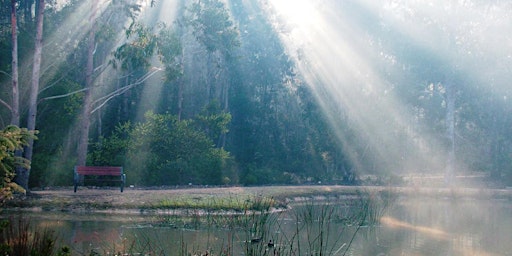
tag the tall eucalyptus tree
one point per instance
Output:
(15, 106)
(23, 174)
(92, 104)
(85, 120)
(170, 51)
(215, 31)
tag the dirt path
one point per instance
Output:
(64, 199)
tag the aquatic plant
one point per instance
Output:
(213, 203)
(18, 237)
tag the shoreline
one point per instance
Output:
(145, 200)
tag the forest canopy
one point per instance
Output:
(250, 92)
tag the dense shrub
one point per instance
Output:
(12, 139)
(163, 151)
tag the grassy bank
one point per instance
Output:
(222, 198)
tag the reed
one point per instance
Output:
(19, 237)
(251, 226)
(213, 203)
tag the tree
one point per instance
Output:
(24, 173)
(214, 29)
(164, 151)
(92, 104)
(13, 107)
(15, 119)
(12, 139)
(213, 121)
(85, 120)
(170, 51)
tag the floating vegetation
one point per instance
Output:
(213, 203)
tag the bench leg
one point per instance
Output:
(123, 181)
(76, 180)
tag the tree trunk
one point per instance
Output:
(15, 106)
(23, 177)
(496, 149)
(86, 112)
(27, 10)
(450, 128)
(180, 97)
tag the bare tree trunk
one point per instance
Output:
(180, 97)
(497, 149)
(15, 106)
(450, 125)
(23, 176)
(27, 10)
(86, 112)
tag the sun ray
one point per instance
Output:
(334, 54)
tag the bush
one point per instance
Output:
(12, 140)
(163, 151)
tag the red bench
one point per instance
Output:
(99, 173)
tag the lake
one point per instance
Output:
(405, 226)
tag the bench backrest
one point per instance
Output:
(99, 170)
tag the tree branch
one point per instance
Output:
(5, 73)
(62, 95)
(122, 90)
(6, 105)
(52, 84)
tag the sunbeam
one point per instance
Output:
(335, 54)
(429, 231)
(340, 51)
(162, 12)
(345, 126)
(67, 39)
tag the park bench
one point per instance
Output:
(99, 173)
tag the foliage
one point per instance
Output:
(235, 58)
(213, 26)
(12, 139)
(136, 54)
(166, 151)
(113, 149)
(212, 203)
(169, 51)
(163, 151)
(213, 121)
(52, 164)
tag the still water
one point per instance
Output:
(426, 226)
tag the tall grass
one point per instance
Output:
(317, 225)
(18, 237)
(313, 227)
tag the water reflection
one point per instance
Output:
(447, 227)
(426, 226)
